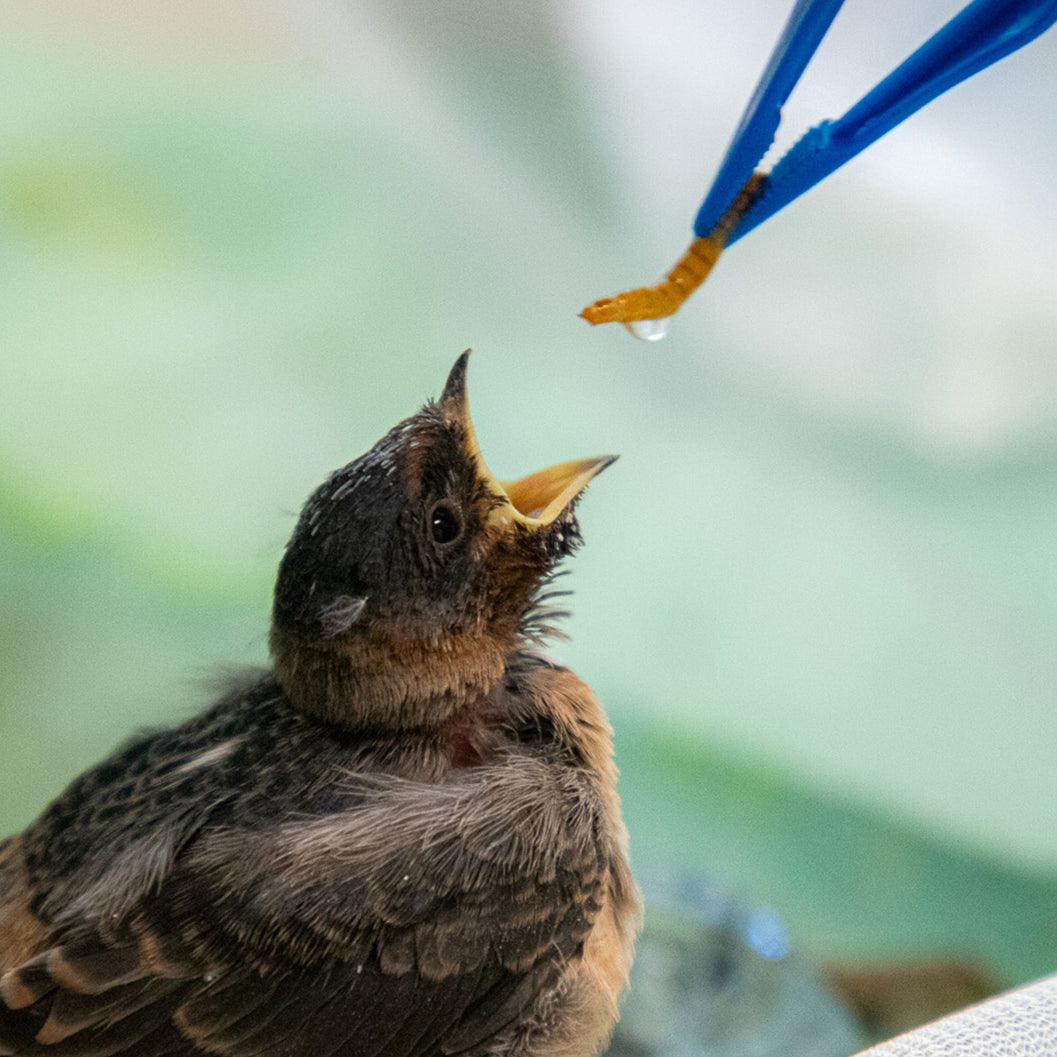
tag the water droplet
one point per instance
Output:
(649, 329)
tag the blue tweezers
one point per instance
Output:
(741, 198)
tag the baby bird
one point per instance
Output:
(403, 840)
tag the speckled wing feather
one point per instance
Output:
(346, 933)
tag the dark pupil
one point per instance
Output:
(444, 525)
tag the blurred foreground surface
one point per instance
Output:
(819, 590)
(714, 979)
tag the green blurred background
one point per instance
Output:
(240, 240)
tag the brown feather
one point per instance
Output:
(22, 934)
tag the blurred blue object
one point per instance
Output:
(713, 978)
(981, 34)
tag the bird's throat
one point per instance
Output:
(387, 682)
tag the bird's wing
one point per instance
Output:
(419, 922)
(22, 933)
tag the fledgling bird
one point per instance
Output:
(404, 840)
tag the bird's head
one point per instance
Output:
(412, 572)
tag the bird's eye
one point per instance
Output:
(444, 524)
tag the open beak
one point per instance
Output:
(537, 499)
